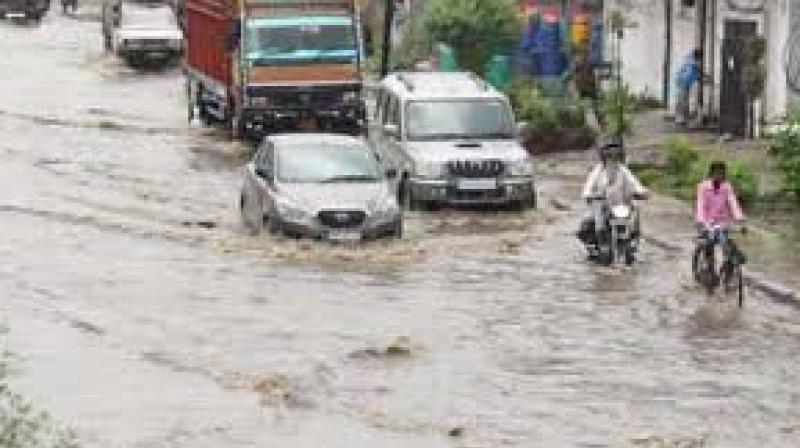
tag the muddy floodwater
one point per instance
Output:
(141, 315)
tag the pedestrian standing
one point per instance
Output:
(689, 75)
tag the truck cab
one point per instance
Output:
(277, 65)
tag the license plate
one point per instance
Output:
(477, 184)
(15, 15)
(344, 236)
(155, 55)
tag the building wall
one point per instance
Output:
(643, 47)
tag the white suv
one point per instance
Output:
(450, 138)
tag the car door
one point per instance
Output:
(266, 179)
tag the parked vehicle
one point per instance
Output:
(24, 9)
(142, 33)
(261, 66)
(617, 241)
(451, 138)
(321, 186)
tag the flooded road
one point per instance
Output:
(142, 316)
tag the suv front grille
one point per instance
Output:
(476, 168)
(342, 219)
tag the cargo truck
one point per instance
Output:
(263, 66)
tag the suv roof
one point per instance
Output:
(440, 85)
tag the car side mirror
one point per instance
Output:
(391, 173)
(391, 130)
(262, 173)
(521, 126)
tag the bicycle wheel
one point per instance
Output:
(703, 269)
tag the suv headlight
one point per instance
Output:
(521, 168)
(384, 208)
(428, 169)
(176, 44)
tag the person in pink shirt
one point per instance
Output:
(717, 205)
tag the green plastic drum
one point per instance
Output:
(448, 61)
(498, 71)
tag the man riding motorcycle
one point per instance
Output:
(610, 183)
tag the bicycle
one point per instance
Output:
(704, 266)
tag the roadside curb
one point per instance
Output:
(777, 292)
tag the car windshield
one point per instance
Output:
(277, 40)
(326, 164)
(148, 17)
(482, 119)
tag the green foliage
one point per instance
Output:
(745, 181)
(541, 112)
(681, 156)
(785, 147)
(686, 167)
(20, 425)
(476, 29)
(618, 108)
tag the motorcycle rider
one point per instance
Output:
(717, 205)
(609, 184)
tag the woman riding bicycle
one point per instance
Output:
(717, 206)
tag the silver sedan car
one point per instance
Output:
(319, 186)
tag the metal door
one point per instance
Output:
(733, 101)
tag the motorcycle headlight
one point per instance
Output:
(291, 212)
(521, 168)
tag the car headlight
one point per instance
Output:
(428, 169)
(291, 212)
(176, 44)
(521, 168)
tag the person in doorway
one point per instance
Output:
(689, 74)
(609, 184)
(717, 206)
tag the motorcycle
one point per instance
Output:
(617, 240)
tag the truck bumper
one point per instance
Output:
(264, 120)
(448, 191)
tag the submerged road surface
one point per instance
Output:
(142, 316)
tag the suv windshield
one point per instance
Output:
(329, 163)
(482, 119)
(278, 40)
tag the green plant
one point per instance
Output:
(545, 113)
(476, 29)
(785, 147)
(745, 181)
(681, 156)
(617, 110)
